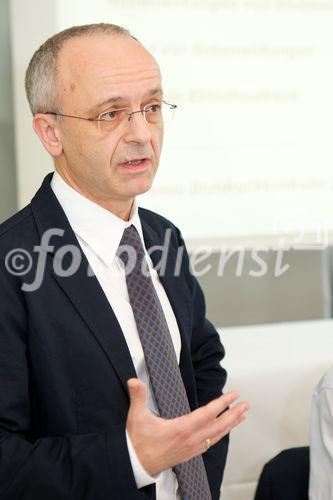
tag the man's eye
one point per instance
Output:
(110, 115)
(153, 108)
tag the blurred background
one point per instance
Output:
(246, 174)
(247, 161)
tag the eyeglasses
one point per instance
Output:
(119, 118)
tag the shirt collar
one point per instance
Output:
(99, 228)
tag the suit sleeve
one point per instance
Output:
(207, 353)
(92, 466)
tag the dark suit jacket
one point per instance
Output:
(286, 476)
(64, 364)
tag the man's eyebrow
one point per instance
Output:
(112, 100)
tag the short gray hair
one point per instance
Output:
(40, 77)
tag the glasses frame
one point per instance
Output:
(99, 119)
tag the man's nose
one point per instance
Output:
(138, 130)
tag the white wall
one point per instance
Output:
(31, 24)
(7, 147)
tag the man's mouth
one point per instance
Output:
(135, 163)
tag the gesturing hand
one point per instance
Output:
(162, 443)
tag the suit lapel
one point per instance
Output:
(83, 291)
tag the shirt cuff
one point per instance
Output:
(141, 476)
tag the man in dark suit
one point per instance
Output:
(110, 377)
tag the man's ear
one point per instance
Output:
(47, 129)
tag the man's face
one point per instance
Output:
(91, 72)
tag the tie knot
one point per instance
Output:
(130, 246)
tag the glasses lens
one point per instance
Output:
(155, 113)
(113, 119)
(159, 112)
(168, 111)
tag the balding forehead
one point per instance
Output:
(92, 64)
(102, 56)
(103, 49)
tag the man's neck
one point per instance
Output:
(119, 208)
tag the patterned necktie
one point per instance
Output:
(165, 377)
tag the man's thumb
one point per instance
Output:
(137, 392)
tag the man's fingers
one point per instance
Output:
(215, 439)
(225, 431)
(228, 420)
(200, 421)
(211, 410)
(210, 434)
(218, 405)
(232, 416)
(138, 394)
(216, 428)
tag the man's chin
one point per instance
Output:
(140, 185)
(142, 188)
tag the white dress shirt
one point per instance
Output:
(321, 441)
(99, 233)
